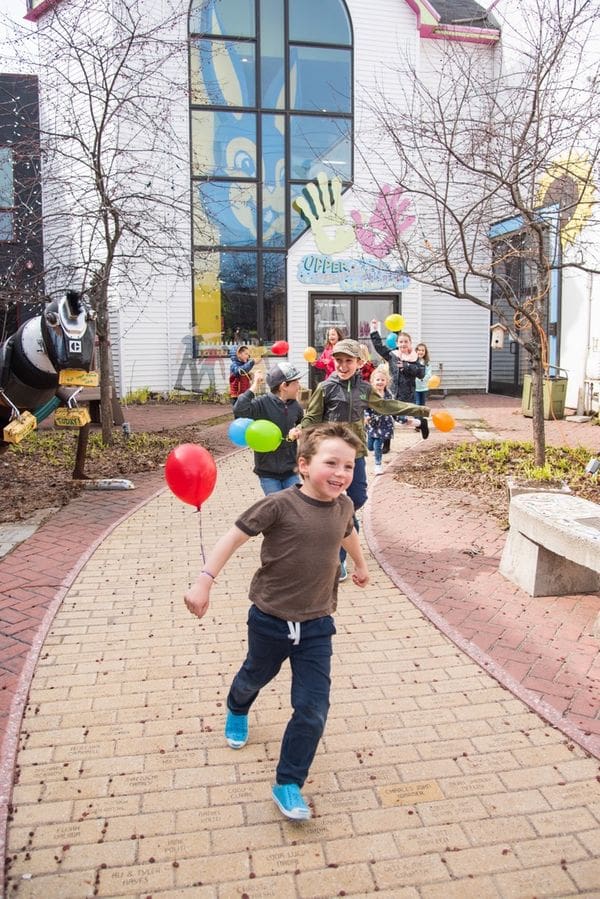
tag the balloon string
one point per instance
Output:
(202, 555)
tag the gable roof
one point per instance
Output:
(456, 20)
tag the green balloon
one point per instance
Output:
(263, 436)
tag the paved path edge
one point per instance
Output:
(15, 717)
(506, 680)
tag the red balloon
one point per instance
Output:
(280, 348)
(191, 473)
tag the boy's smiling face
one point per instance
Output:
(329, 472)
(346, 366)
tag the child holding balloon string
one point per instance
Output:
(276, 469)
(291, 617)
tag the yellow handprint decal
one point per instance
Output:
(321, 206)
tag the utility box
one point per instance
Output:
(555, 394)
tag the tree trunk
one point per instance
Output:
(106, 414)
(99, 297)
(537, 402)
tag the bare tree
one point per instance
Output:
(113, 82)
(476, 139)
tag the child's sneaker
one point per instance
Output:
(343, 571)
(423, 427)
(290, 801)
(378, 468)
(236, 730)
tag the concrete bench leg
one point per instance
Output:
(543, 573)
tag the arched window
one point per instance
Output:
(270, 108)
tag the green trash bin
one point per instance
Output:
(555, 394)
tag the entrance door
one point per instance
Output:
(513, 263)
(351, 314)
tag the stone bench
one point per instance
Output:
(553, 546)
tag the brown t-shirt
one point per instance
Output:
(298, 576)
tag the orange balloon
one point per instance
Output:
(310, 354)
(434, 382)
(443, 421)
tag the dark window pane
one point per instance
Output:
(223, 144)
(322, 79)
(222, 73)
(225, 213)
(271, 54)
(319, 20)
(274, 293)
(234, 18)
(239, 297)
(6, 226)
(273, 143)
(320, 145)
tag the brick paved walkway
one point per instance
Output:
(432, 779)
(542, 648)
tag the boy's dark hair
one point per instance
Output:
(242, 347)
(311, 438)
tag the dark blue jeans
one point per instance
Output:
(269, 645)
(357, 491)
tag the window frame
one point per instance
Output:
(261, 111)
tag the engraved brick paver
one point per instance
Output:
(432, 780)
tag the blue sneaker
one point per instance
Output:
(343, 571)
(289, 800)
(236, 730)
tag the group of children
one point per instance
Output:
(312, 494)
(404, 375)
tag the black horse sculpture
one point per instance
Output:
(62, 337)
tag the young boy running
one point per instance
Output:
(291, 615)
(343, 397)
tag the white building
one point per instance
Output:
(274, 95)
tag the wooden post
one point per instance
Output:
(82, 442)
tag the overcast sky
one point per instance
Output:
(12, 11)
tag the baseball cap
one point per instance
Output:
(347, 346)
(282, 373)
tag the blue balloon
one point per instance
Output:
(392, 340)
(237, 430)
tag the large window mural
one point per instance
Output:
(271, 108)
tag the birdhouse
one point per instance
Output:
(498, 332)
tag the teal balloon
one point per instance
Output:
(237, 430)
(263, 436)
(392, 341)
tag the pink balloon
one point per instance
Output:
(191, 473)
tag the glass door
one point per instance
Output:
(352, 315)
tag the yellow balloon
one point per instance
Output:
(394, 322)
(434, 382)
(310, 354)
